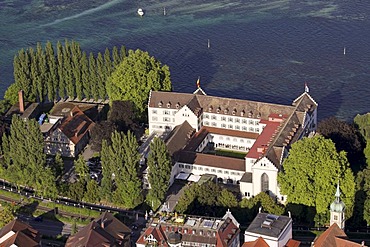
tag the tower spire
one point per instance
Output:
(337, 193)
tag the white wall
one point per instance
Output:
(201, 170)
(264, 166)
(160, 117)
(229, 121)
(271, 241)
(185, 114)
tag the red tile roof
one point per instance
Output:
(212, 160)
(293, 243)
(263, 141)
(259, 242)
(157, 234)
(76, 125)
(24, 235)
(334, 237)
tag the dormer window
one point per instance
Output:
(242, 113)
(234, 111)
(168, 104)
(200, 232)
(250, 114)
(178, 105)
(226, 111)
(218, 109)
(160, 103)
(185, 231)
(210, 108)
(194, 231)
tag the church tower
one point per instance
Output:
(337, 208)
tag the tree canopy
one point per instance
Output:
(25, 161)
(135, 76)
(160, 166)
(47, 74)
(311, 172)
(120, 161)
(346, 138)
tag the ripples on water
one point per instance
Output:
(259, 50)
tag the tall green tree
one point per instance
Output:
(159, 172)
(92, 191)
(82, 168)
(311, 172)
(101, 76)
(126, 160)
(68, 69)
(52, 78)
(85, 76)
(136, 75)
(106, 187)
(108, 66)
(227, 199)
(6, 215)
(120, 162)
(77, 69)
(116, 57)
(363, 124)
(94, 90)
(25, 156)
(61, 71)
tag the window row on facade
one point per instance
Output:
(213, 170)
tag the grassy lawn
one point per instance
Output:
(232, 154)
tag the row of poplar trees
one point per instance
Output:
(47, 74)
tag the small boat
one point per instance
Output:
(164, 10)
(140, 12)
(344, 51)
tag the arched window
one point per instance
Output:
(264, 182)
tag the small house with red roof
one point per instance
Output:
(69, 134)
(259, 133)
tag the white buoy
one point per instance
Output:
(140, 12)
(344, 51)
(164, 10)
(209, 44)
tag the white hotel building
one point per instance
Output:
(195, 125)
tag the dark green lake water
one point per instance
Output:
(259, 50)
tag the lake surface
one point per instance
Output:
(258, 50)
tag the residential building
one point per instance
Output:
(17, 233)
(103, 231)
(261, 132)
(174, 230)
(67, 135)
(275, 230)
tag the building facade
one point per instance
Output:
(67, 135)
(177, 230)
(261, 132)
(275, 230)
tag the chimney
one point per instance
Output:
(21, 101)
(290, 215)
